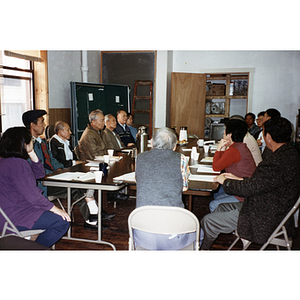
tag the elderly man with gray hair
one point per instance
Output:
(161, 176)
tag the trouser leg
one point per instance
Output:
(222, 220)
(55, 227)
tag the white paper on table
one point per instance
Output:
(92, 163)
(126, 150)
(186, 149)
(111, 158)
(69, 176)
(209, 178)
(126, 177)
(206, 169)
(195, 166)
(207, 159)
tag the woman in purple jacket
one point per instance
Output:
(20, 198)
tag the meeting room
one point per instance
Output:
(149, 150)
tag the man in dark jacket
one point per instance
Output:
(269, 193)
(123, 130)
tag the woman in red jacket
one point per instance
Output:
(233, 156)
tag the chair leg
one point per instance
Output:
(235, 241)
(58, 200)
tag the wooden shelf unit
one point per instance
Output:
(227, 78)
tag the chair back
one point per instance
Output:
(49, 132)
(281, 230)
(163, 220)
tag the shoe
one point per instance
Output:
(93, 217)
(106, 216)
(90, 226)
(117, 197)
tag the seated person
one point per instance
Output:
(91, 144)
(123, 130)
(250, 141)
(129, 122)
(35, 123)
(60, 145)
(259, 122)
(269, 193)
(110, 138)
(269, 114)
(20, 198)
(253, 129)
(161, 176)
(62, 150)
(233, 156)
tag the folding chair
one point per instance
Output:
(280, 231)
(165, 220)
(9, 226)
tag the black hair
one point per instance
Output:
(13, 142)
(250, 114)
(237, 128)
(280, 129)
(273, 113)
(262, 113)
(120, 110)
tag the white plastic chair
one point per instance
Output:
(163, 220)
(9, 226)
(279, 237)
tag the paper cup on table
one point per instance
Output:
(206, 148)
(106, 158)
(200, 142)
(98, 176)
(110, 152)
(195, 156)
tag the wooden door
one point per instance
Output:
(187, 108)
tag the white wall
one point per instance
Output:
(65, 66)
(276, 76)
(275, 79)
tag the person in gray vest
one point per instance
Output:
(161, 176)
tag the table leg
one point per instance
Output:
(69, 209)
(190, 202)
(99, 241)
(99, 214)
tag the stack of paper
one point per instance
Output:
(209, 178)
(206, 169)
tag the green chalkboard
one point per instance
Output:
(86, 97)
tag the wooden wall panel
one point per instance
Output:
(59, 114)
(188, 102)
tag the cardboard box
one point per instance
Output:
(215, 89)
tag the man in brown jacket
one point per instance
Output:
(91, 143)
(110, 138)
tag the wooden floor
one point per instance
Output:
(117, 233)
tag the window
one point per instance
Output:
(16, 90)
